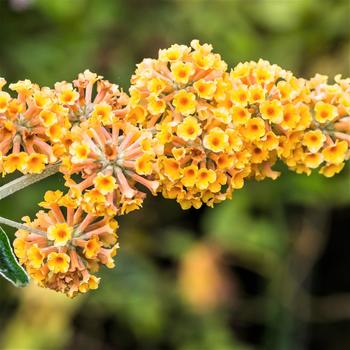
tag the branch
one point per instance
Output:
(26, 180)
(19, 226)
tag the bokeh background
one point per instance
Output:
(268, 270)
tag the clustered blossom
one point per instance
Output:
(31, 126)
(73, 245)
(189, 129)
(219, 128)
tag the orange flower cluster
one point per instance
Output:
(73, 245)
(189, 129)
(218, 127)
(32, 125)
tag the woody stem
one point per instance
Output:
(26, 180)
(19, 226)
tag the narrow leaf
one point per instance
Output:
(9, 266)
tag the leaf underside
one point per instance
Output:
(9, 266)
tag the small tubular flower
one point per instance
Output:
(72, 247)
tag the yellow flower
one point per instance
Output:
(216, 140)
(325, 112)
(92, 247)
(144, 164)
(314, 140)
(156, 86)
(105, 183)
(189, 177)
(48, 117)
(58, 262)
(35, 257)
(205, 177)
(171, 169)
(156, 105)
(136, 115)
(189, 129)
(241, 96)
(51, 197)
(4, 100)
(254, 129)
(60, 233)
(331, 169)
(256, 94)
(182, 72)
(80, 151)
(103, 113)
(36, 163)
(313, 160)
(272, 111)
(185, 102)
(223, 114)
(205, 89)
(173, 53)
(55, 132)
(240, 115)
(68, 96)
(15, 161)
(335, 154)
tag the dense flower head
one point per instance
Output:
(220, 127)
(31, 125)
(110, 166)
(71, 248)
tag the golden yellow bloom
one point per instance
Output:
(68, 96)
(105, 183)
(156, 85)
(205, 177)
(92, 247)
(80, 151)
(189, 177)
(136, 115)
(156, 105)
(103, 113)
(313, 160)
(171, 168)
(60, 233)
(185, 102)
(335, 154)
(36, 163)
(144, 164)
(15, 161)
(240, 115)
(216, 140)
(182, 72)
(331, 169)
(254, 129)
(325, 112)
(174, 53)
(35, 257)
(189, 129)
(314, 140)
(58, 262)
(272, 111)
(240, 96)
(205, 89)
(48, 117)
(256, 94)
(4, 100)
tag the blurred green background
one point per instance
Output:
(267, 270)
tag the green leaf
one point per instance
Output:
(9, 266)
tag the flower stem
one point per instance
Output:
(19, 226)
(26, 180)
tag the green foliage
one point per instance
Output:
(9, 267)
